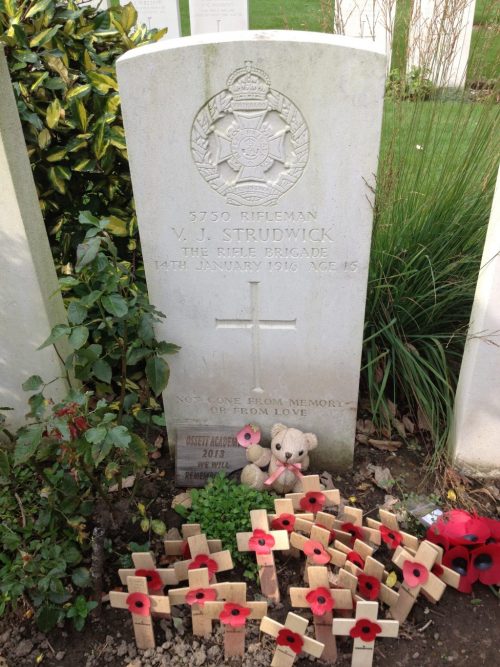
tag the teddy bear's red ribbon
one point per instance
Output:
(293, 467)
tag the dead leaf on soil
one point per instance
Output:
(392, 407)
(127, 483)
(326, 480)
(424, 423)
(382, 476)
(155, 455)
(362, 438)
(408, 424)
(385, 445)
(365, 426)
(389, 502)
(183, 499)
(400, 427)
(159, 442)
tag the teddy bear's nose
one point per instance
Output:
(288, 455)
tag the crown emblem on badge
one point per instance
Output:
(249, 83)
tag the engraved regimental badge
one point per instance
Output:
(250, 142)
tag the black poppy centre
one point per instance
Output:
(369, 585)
(483, 562)
(199, 596)
(290, 639)
(235, 612)
(317, 551)
(365, 629)
(285, 522)
(459, 565)
(321, 599)
(417, 573)
(139, 604)
(262, 542)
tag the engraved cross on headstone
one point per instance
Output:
(255, 325)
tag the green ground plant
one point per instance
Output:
(222, 508)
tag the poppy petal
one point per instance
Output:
(249, 435)
(415, 574)
(354, 531)
(200, 596)
(365, 630)
(139, 604)
(155, 583)
(313, 501)
(320, 601)
(284, 522)
(291, 639)
(485, 563)
(355, 558)
(392, 538)
(234, 615)
(458, 559)
(368, 587)
(316, 552)
(261, 542)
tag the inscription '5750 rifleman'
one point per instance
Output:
(249, 142)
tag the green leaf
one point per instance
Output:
(158, 527)
(115, 305)
(27, 442)
(78, 337)
(167, 348)
(86, 252)
(47, 618)
(120, 436)
(81, 577)
(138, 451)
(102, 82)
(4, 464)
(76, 312)
(102, 370)
(95, 435)
(53, 113)
(78, 91)
(32, 383)
(157, 374)
(86, 218)
(100, 451)
(44, 36)
(39, 7)
(57, 332)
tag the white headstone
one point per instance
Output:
(218, 15)
(367, 19)
(253, 196)
(475, 437)
(158, 14)
(439, 39)
(30, 303)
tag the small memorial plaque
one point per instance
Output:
(202, 452)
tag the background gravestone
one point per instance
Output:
(475, 436)
(439, 39)
(218, 15)
(368, 19)
(158, 14)
(253, 195)
(30, 303)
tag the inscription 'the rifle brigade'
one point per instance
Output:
(250, 142)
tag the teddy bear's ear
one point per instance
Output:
(276, 429)
(311, 440)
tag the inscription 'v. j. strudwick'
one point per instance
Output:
(250, 142)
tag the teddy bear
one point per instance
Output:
(289, 446)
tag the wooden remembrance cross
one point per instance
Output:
(145, 566)
(177, 547)
(142, 605)
(201, 556)
(313, 498)
(286, 519)
(233, 613)
(197, 594)
(290, 639)
(321, 599)
(389, 521)
(363, 629)
(417, 576)
(367, 587)
(316, 548)
(446, 574)
(264, 543)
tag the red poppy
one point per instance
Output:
(392, 538)
(458, 559)
(153, 578)
(435, 536)
(249, 435)
(313, 501)
(316, 552)
(200, 596)
(186, 551)
(437, 570)
(354, 531)
(365, 630)
(355, 558)
(462, 528)
(291, 639)
(139, 604)
(415, 574)
(368, 587)
(261, 542)
(203, 560)
(485, 564)
(494, 526)
(234, 615)
(284, 522)
(320, 601)
(333, 535)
